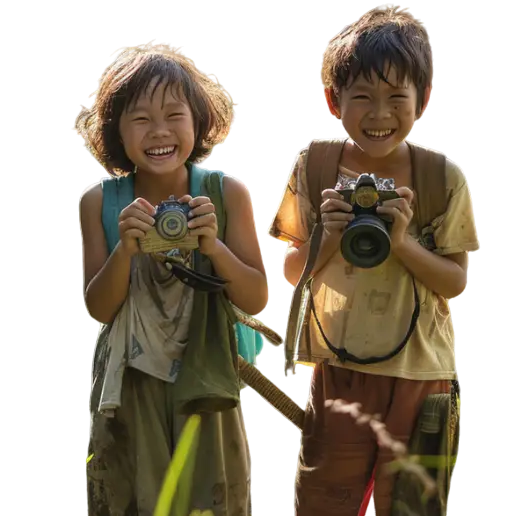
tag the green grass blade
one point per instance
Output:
(179, 460)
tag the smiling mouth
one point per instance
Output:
(158, 153)
(378, 134)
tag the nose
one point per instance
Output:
(380, 110)
(159, 129)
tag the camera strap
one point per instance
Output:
(194, 279)
(344, 355)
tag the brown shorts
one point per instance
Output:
(338, 458)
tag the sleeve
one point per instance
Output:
(295, 217)
(455, 230)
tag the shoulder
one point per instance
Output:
(234, 190)
(91, 198)
(455, 179)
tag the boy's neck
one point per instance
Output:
(356, 159)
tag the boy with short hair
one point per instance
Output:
(377, 76)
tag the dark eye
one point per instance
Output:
(399, 97)
(360, 97)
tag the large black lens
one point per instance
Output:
(366, 242)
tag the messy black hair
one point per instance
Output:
(381, 39)
(134, 71)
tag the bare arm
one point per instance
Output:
(239, 259)
(105, 280)
(335, 216)
(296, 258)
(444, 275)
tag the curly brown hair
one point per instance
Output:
(128, 77)
(383, 36)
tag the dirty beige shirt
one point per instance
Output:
(368, 311)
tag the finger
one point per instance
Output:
(393, 212)
(210, 231)
(337, 216)
(396, 203)
(203, 220)
(185, 199)
(331, 194)
(144, 205)
(134, 212)
(198, 201)
(333, 204)
(203, 209)
(405, 193)
(134, 233)
(134, 223)
(335, 226)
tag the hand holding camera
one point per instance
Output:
(135, 221)
(399, 211)
(336, 214)
(203, 223)
(184, 224)
(381, 214)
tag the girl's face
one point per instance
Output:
(377, 115)
(157, 131)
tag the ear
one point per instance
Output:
(332, 101)
(426, 99)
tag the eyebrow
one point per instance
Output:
(366, 86)
(169, 105)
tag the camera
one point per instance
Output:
(170, 229)
(366, 239)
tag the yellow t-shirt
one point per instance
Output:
(368, 311)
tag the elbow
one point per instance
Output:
(95, 312)
(291, 272)
(458, 286)
(455, 293)
(262, 302)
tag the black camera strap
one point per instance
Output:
(196, 280)
(344, 355)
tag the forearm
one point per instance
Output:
(247, 287)
(441, 275)
(296, 258)
(107, 291)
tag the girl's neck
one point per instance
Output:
(156, 188)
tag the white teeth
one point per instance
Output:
(378, 134)
(161, 151)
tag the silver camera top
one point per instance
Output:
(349, 183)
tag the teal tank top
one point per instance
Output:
(118, 192)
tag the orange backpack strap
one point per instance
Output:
(322, 161)
(429, 181)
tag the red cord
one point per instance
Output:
(367, 496)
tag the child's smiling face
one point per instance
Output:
(157, 130)
(378, 115)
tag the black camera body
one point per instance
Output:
(170, 229)
(366, 239)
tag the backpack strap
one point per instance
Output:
(323, 158)
(429, 181)
(117, 194)
(322, 162)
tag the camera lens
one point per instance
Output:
(364, 245)
(172, 225)
(366, 242)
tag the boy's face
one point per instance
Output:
(377, 115)
(158, 131)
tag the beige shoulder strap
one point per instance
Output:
(429, 180)
(322, 161)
